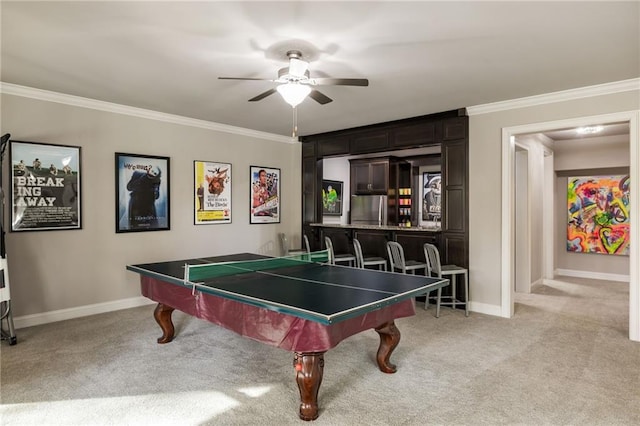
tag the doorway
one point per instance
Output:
(508, 273)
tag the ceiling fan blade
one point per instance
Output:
(341, 81)
(245, 78)
(263, 95)
(297, 67)
(319, 97)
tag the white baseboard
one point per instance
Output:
(592, 275)
(80, 311)
(484, 308)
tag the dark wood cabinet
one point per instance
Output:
(309, 149)
(448, 129)
(335, 145)
(369, 177)
(372, 141)
(417, 135)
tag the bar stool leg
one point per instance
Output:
(466, 294)
(454, 282)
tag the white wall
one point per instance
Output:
(485, 180)
(61, 271)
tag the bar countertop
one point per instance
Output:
(381, 227)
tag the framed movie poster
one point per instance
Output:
(432, 198)
(142, 193)
(212, 192)
(331, 198)
(265, 195)
(46, 187)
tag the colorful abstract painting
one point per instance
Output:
(598, 220)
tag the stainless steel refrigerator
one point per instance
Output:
(369, 210)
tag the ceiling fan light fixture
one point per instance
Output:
(294, 93)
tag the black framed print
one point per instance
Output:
(46, 183)
(142, 193)
(265, 195)
(331, 198)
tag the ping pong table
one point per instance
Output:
(298, 303)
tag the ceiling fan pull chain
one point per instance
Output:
(295, 122)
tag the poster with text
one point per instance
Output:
(598, 214)
(265, 195)
(432, 199)
(142, 193)
(46, 186)
(212, 192)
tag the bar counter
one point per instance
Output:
(374, 238)
(379, 227)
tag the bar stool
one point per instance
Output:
(362, 262)
(432, 255)
(284, 242)
(338, 258)
(397, 260)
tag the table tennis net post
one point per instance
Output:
(199, 273)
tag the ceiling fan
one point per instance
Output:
(294, 82)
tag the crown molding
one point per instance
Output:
(565, 95)
(61, 98)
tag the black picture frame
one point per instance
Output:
(264, 195)
(332, 197)
(46, 189)
(142, 193)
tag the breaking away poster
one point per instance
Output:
(45, 186)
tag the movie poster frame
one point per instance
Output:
(51, 152)
(225, 172)
(122, 194)
(257, 219)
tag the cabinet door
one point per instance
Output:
(415, 135)
(374, 141)
(338, 145)
(360, 183)
(379, 177)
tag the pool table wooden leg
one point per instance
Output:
(389, 339)
(162, 314)
(309, 368)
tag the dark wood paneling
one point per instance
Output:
(337, 145)
(455, 181)
(454, 250)
(455, 164)
(413, 243)
(374, 243)
(417, 135)
(455, 128)
(374, 141)
(340, 237)
(455, 208)
(309, 149)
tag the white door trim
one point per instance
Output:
(508, 187)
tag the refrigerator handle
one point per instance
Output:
(380, 212)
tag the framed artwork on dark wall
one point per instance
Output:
(331, 198)
(46, 183)
(142, 193)
(265, 195)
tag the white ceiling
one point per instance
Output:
(419, 57)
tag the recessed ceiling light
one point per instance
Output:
(589, 130)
